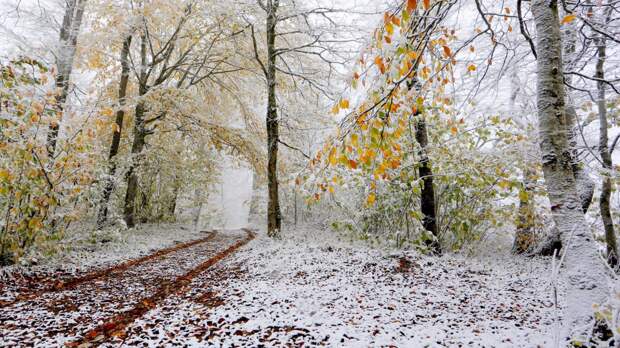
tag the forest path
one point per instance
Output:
(97, 306)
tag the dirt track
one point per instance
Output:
(99, 305)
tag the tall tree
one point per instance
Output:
(291, 40)
(139, 136)
(605, 153)
(584, 273)
(274, 218)
(69, 31)
(116, 135)
(585, 185)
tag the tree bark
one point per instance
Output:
(274, 219)
(71, 23)
(116, 136)
(585, 185)
(427, 196)
(606, 185)
(139, 136)
(584, 273)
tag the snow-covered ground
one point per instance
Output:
(86, 250)
(312, 288)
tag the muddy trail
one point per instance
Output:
(96, 307)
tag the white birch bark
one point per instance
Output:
(584, 273)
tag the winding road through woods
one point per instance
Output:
(96, 307)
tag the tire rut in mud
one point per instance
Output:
(92, 309)
(70, 283)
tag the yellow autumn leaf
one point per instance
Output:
(115, 128)
(471, 67)
(454, 130)
(107, 112)
(568, 18)
(333, 160)
(504, 184)
(371, 199)
(389, 28)
(335, 110)
(344, 104)
(4, 175)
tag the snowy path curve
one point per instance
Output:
(96, 307)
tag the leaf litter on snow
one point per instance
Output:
(310, 289)
(61, 317)
(87, 252)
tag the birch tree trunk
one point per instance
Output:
(116, 136)
(584, 273)
(274, 219)
(71, 23)
(606, 186)
(585, 185)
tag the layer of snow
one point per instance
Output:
(312, 288)
(84, 249)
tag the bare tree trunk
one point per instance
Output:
(137, 146)
(274, 219)
(71, 23)
(584, 273)
(427, 197)
(116, 136)
(132, 176)
(606, 186)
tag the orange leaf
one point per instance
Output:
(446, 51)
(427, 4)
(379, 62)
(412, 5)
(568, 18)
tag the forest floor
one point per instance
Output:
(229, 288)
